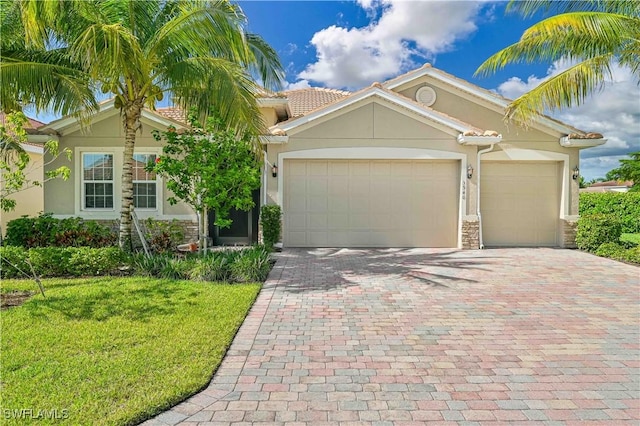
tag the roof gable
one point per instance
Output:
(379, 93)
(71, 124)
(478, 94)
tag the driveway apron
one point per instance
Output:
(416, 336)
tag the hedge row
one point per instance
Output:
(247, 265)
(47, 231)
(16, 262)
(625, 206)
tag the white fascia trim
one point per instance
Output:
(580, 143)
(64, 122)
(469, 88)
(32, 149)
(379, 153)
(42, 138)
(273, 140)
(69, 121)
(479, 140)
(374, 91)
(517, 154)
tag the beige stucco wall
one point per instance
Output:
(63, 197)
(29, 202)
(372, 123)
(485, 116)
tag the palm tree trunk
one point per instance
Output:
(132, 113)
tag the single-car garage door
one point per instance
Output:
(520, 203)
(371, 203)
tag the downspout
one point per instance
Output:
(479, 176)
(264, 180)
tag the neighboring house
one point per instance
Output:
(609, 186)
(422, 160)
(29, 201)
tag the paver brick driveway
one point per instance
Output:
(421, 336)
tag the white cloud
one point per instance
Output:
(355, 57)
(300, 84)
(613, 111)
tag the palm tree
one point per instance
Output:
(592, 35)
(198, 51)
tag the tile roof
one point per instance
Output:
(174, 113)
(340, 95)
(303, 101)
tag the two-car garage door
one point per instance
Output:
(371, 203)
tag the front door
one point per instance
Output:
(243, 230)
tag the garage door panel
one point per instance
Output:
(371, 203)
(520, 203)
(339, 168)
(317, 221)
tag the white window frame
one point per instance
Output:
(158, 187)
(114, 213)
(84, 181)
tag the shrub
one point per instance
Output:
(595, 230)
(162, 266)
(630, 240)
(163, 236)
(618, 252)
(252, 265)
(60, 261)
(270, 219)
(212, 267)
(86, 261)
(13, 262)
(47, 231)
(625, 206)
(51, 261)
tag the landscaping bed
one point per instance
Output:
(113, 350)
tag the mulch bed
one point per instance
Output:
(14, 298)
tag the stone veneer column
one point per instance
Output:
(569, 228)
(470, 234)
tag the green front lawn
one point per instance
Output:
(114, 351)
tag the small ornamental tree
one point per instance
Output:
(15, 163)
(209, 168)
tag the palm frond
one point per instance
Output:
(575, 36)
(265, 64)
(45, 86)
(201, 29)
(220, 88)
(568, 88)
(528, 8)
(107, 51)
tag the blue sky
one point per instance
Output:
(350, 44)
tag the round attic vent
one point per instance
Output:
(426, 95)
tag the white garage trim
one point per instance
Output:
(517, 154)
(379, 153)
